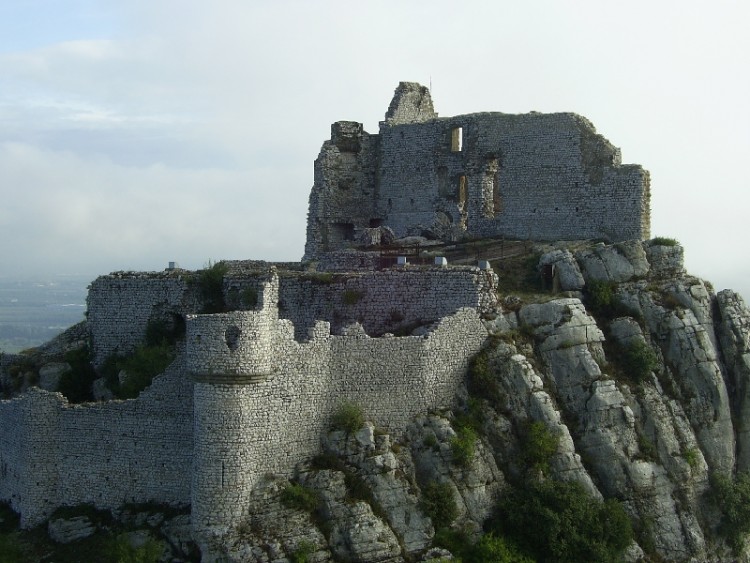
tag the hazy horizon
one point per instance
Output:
(134, 134)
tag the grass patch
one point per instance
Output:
(519, 274)
(298, 497)
(348, 417)
(439, 504)
(211, 286)
(560, 521)
(664, 241)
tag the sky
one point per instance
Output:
(142, 132)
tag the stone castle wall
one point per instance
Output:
(244, 430)
(261, 397)
(530, 176)
(384, 301)
(120, 306)
(107, 454)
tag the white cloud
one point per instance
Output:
(196, 127)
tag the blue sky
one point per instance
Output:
(135, 133)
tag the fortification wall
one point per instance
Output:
(11, 445)
(120, 305)
(384, 301)
(105, 454)
(244, 431)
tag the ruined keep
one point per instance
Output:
(529, 177)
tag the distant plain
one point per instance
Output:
(34, 310)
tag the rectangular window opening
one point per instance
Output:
(462, 192)
(497, 198)
(457, 139)
(343, 231)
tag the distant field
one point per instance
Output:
(33, 310)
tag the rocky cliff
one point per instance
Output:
(630, 381)
(606, 418)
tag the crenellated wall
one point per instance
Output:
(248, 426)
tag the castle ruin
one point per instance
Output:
(253, 388)
(528, 177)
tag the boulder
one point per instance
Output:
(50, 374)
(567, 272)
(66, 530)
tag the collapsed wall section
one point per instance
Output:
(120, 306)
(342, 201)
(107, 454)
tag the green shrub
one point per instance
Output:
(733, 499)
(482, 379)
(601, 294)
(664, 241)
(472, 417)
(76, 384)
(299, 497)
(463, 445)
(149, 552)
(161, 331)
(141, 367)
(692, 457)
(647, 448)
(357, 488)
(249, 297)
(639, 360)
(540, 443)
(495, 549)
(348, 417)
(560, 521)
(303, 552)
(211, 286)
(10, 548)
(352, 296)
(439, 504)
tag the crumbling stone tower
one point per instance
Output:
(530, 176)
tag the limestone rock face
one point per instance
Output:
(568, 272)
(734, 336)
(475, 482)
(371, 456)
(71, 529)
(616, 263)
(49, 375)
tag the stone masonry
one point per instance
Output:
(252, 389)
(532, 176)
